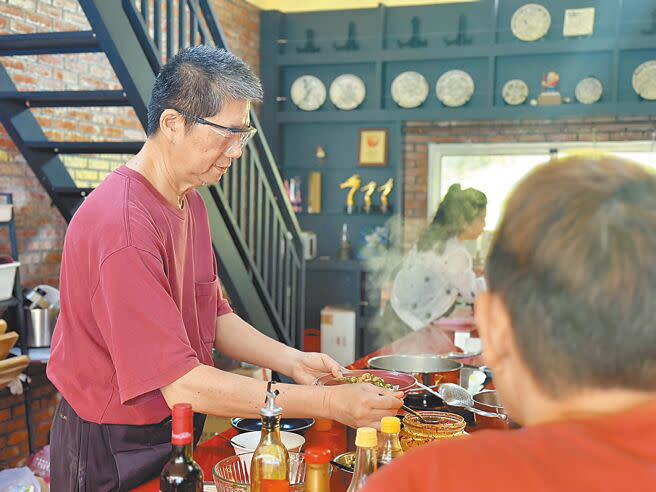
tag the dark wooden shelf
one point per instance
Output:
(334, 213)
(332, 264)
(525, 111)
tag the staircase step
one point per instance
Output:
(49, 43)
(70, 191)
(86, 147)
(67, 99)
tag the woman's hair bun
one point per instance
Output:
(454, 188)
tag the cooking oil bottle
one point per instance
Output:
(366, 441)
(389, 447)
(270, 464)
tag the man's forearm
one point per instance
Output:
(215, 392)
(239, 340)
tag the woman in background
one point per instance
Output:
(438, 269)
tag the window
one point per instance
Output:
(495, 169)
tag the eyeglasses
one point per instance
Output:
(243, 135)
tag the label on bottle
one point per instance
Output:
(182, 427)
(268, 485)
(181, 438)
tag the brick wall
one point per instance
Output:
(13, 427)
(241, 25)
(418, 135)
(40, 227)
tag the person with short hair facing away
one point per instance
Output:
(568, 330)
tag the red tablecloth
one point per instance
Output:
(430, 340)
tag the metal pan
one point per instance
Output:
(431, 370)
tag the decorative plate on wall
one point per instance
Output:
(530, 22)
(308, 93)
(515, 92)
(589, 90)
(347, 91)
(455, 88)
(644, 80)
(409, 89)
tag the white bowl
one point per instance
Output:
(248, 441)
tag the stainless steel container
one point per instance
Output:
(431, 370)
(40, 325)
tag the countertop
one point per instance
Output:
(434, 339)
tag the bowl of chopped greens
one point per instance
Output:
(391, 380)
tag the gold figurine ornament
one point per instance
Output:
(368, 190)
(354, 183)
(385, 190)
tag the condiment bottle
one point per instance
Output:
(181, 473)
(270, 464)
(366, 441)
(317, 476)
(324, 434)
(389, 447)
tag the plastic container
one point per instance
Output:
(5, 212)
(7, 279)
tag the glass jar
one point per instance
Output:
(442, 425)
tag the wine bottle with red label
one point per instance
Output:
(182, 473)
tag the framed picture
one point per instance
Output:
(579, 22)
(373, 147)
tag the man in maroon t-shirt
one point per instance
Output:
(568, 331)
(141, 304)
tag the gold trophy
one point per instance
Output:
(368, 190)
(354, 183)
(385, 190)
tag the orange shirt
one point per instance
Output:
(612, 453)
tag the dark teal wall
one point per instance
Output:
(611, 54)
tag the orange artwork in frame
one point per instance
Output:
(373, 147)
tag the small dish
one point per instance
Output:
(247, 442)
(255, 425)
(345, 461)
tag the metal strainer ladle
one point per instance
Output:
(457, 396)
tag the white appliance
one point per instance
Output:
(309, 245)
(338, 334)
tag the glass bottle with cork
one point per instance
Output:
(389, 447)
(270, 464)
(182, 473)
(317, 476)
(366, 441)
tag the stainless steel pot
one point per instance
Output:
(40, 325)
(431, 370)
(488, 401)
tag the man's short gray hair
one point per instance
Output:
(199, 80)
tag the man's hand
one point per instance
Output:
(362, 404)
(308, 366)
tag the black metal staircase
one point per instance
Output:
(255, 233)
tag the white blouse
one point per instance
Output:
(429, 282)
